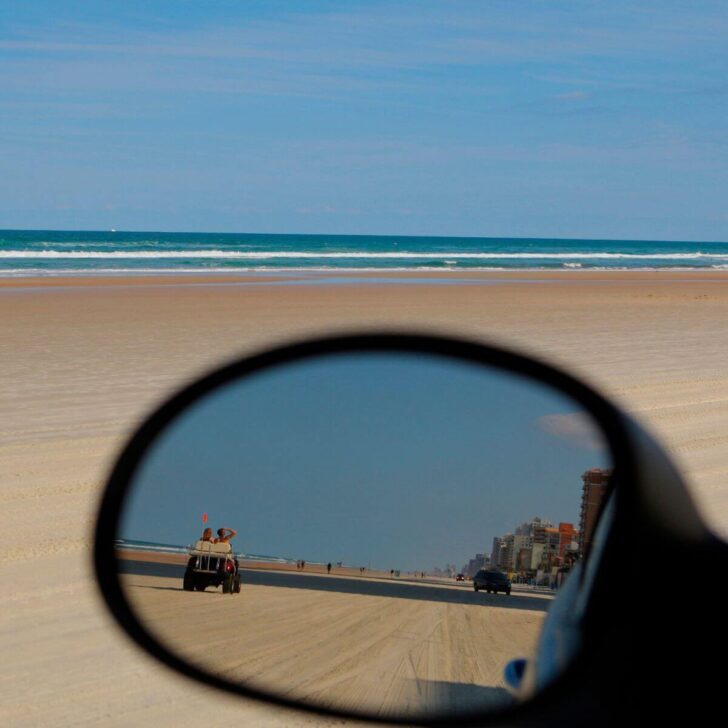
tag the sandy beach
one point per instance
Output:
(85, 358)
(376, 643)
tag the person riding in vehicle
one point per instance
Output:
(223, 537)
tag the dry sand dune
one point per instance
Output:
(84, 359)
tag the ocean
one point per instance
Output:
(44, 252)
(130, 544)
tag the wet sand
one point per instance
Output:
(180, 559)
(84, 359)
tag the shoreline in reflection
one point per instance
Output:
(172, 565)
(371, 584)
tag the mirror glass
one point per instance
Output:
(394, 529)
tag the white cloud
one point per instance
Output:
(577, 428)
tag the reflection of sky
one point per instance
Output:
(398, 462)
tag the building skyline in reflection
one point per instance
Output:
(540, 549)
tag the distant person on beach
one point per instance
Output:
(328, 568)
(224, 535)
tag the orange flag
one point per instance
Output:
(204, 517)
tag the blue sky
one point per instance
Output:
(574, 119)
(403, 462)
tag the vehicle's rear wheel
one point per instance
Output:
(228, 584)
(188, 582)
(237, 584)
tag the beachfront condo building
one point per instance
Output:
(596, 482)
(535, 545)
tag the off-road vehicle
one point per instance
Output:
(212, 564)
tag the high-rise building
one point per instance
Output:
(535, 545)
(474, 565)
(520, 555)
(507, 552)
(595, 486)
(552, 539)
(536, 557)
(529, 528)
(497, 553)
(568, 536)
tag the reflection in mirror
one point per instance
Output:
(376, 533)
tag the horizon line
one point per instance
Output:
(359, 235)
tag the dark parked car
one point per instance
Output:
(460, 577)
(492, 581)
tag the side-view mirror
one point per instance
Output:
(401, 528)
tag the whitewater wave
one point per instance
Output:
(342, 255)
(340, 270)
